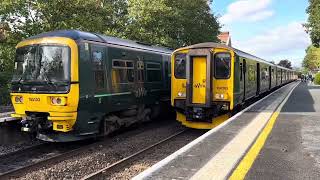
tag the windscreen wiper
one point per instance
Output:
(19, 81)
(49, 81)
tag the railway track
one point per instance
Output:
(22, 162)
(121, 164)
(15, 164)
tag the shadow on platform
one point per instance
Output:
(301, 99)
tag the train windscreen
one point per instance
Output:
(42, 63)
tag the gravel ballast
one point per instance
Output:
(153, 156)
(110, 150)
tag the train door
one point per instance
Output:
(166, 71)
(98, 67)
(281, 75)
(243, 69)
(199, 81)
(276, 71)
(270, 77)
(258, 78)
(140, 78)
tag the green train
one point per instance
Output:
(70, 85)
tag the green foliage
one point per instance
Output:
(317, 79)
(313, 24)
(285, 63)
(312, 58)
(172, 23)
(6, 66)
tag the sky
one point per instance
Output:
(269, 29)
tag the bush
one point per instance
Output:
(4, 96)
(317, 79)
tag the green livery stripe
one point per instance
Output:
(113, 94)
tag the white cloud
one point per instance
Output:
(247, 11)
(289, 41)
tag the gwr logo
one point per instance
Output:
(34, 99)
(198, 85)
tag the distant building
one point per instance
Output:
(225, 38)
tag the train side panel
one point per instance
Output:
(115, 79)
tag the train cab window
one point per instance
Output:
(122, 71)
(154, 72)
(222, 63)
(180, 66)
(97, 57)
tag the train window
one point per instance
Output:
(265, 74)
(180, 66)
(98, 66)
(122, 71)
(251, 73)
(154, 72)
(99, 78)
(222, 63)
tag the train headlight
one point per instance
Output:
(18, 99)
(181, 94)
(221, 96)
(58, 101)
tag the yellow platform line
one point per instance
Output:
(246, 163)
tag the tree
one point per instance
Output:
(313, 25)
(285, 63)
(30, 17)
(172, 23)
(312, 58)
(25, 18)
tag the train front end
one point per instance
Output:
(202, 84)
(45, 87)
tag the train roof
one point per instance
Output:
(81, 35)
(237, 51)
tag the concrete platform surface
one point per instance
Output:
(217, 154)
(292, 151)
(6, 117)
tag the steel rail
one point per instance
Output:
(51, 160)
(128, 158)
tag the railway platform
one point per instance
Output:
(6, 117)
(277, 137)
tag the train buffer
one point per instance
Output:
(277, 137)
(6, 117)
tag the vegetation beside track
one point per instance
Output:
(311, 61)
(317, 79)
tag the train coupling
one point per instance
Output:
(32, 124)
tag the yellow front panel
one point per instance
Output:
(199, 80)
(177, 85)
(224, 86)
(35, 102)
